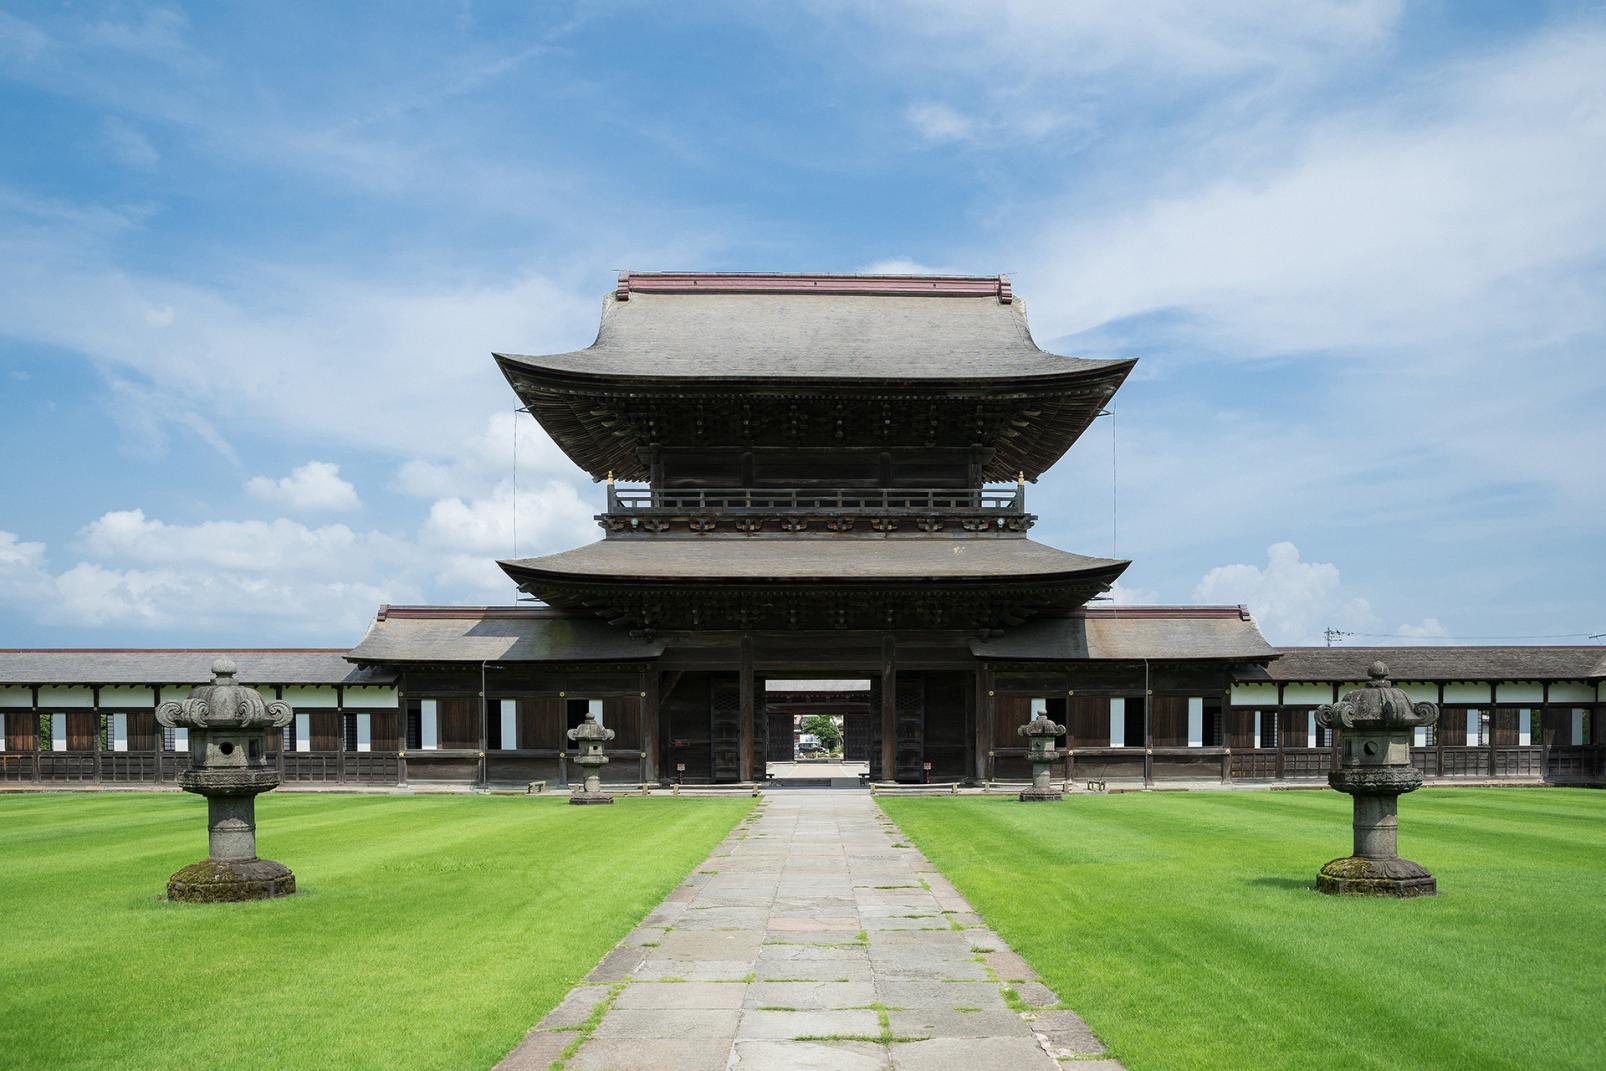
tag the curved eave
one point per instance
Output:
(532, 579)
(573, 406)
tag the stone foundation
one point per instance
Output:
(1357, 876)
(213, 882)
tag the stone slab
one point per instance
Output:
(808, 1056)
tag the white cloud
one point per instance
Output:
(903, 266)
(1178, 39)
(127, 145)
(263, 547)
(315, 486)
(1461, 213)
(551, 516)
(938, 122)
(997, 122)
(1121, 595)
(1429, 628)
(1292, 600)
(482, 459)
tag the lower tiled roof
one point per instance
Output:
(1442, 663)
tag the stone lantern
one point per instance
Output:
(1040, 733)
(228, 727)
(1375, 768)
(591, 736)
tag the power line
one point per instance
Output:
(1333, 634)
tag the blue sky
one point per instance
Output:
(253, 260)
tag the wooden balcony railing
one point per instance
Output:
(851, 500)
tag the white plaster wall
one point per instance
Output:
(68, 695)
(2, 732)
(428, 725)
(365, 732)
(510, 724)
(181, 739)
(1578, 726)
(303, 732)
(316, 697)
(127, 695)
(594, 708)
(1419, 691)
(1118, 722)
(58, 732)
(119, 732)
(1039, 708)
(174, 693)
(1195, 721)
(1298, 695)
(1254, 695)
(13, 695)
(1519, 692)
(367, 695)
(1466, 692)
(1310, 728)
(1525, 727)
(1571, 692)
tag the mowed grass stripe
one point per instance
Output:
(1185, 929)
(430, 932)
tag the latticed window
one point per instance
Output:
(1268, 728)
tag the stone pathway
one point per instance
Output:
(813, 937)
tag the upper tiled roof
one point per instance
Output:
(769, 327)
(1437, 663)
(192, 666)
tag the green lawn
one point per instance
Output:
(1185, 930)
(429, 932)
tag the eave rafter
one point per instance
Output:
(607, 424)
(816, 605)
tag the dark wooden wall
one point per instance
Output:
(22, 731)
(1168, 721)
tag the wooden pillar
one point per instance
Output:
(401, 732)
(889, 709)
(100, 758)
(340, 734)
(744, 731)
(649, 724)
(483, 773)
(278, 693)
(983, 722)
(1148, 730)
(38, 741)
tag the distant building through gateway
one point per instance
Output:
(811, 480)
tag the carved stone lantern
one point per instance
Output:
(591, 736)
(228, 727)
(1375, 768)
(1040, 733)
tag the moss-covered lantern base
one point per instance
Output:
(216, 882)
(1355, 876)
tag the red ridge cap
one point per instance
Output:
(1192, 612)
(688, 282)
(456, 613)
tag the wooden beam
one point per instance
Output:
(744, 728)
(889, 709)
